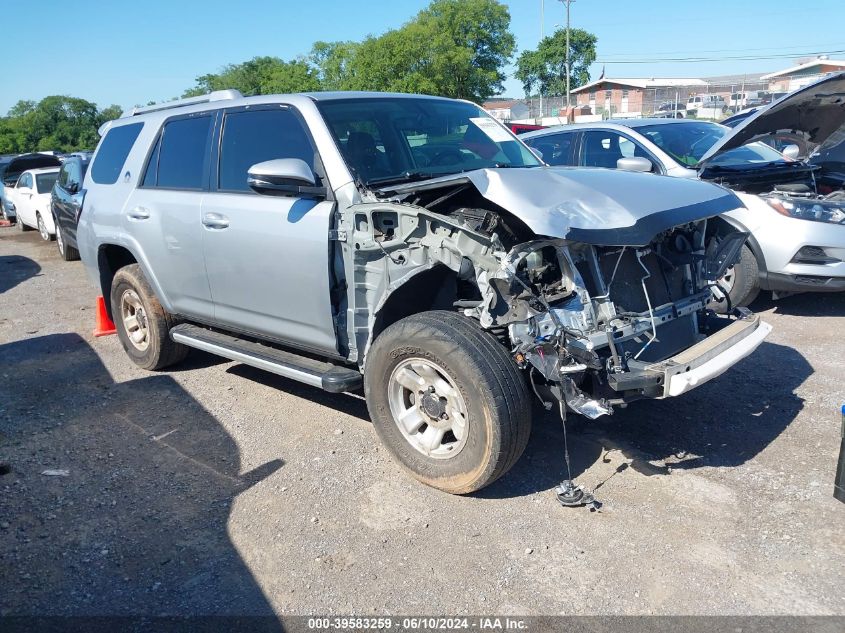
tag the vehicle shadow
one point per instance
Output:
(119, 494)
(723, 423)
(806, 304)
(350, 404)
(15, 269)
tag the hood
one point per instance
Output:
(814, 112)
(20, 164)
(595, 206)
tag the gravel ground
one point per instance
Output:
(218, 489)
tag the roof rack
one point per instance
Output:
(217, 95)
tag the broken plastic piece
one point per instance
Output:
(61, 472)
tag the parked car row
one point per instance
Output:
(793, 208)
(415, 248)
(44, 192)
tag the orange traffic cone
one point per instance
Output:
(103, 325)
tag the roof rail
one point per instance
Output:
(217, 95)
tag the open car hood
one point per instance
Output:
(594, 206)
(20, 164)
(814, 112)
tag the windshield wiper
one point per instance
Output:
(408, 176)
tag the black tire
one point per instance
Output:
(23, 227)
(160, 351)
(67, 253)
(746, 283)
(498, 402)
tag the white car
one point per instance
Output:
(795, 209)
(30, 200)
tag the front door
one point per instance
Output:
(267, 256)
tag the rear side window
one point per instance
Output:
(253, 136)
(179, 158)
(113, 151)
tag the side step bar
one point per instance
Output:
(327, 376)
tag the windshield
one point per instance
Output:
(387, 139)
(44, 182)
(688, 142)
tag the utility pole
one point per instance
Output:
(567, 3)
(542, 20)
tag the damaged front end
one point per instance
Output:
(602, 326)
(595, 325)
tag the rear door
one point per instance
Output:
(163, 214)
(267, 256)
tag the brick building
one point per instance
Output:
(802, 74)
(635, 96)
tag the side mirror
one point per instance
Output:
(791, 151)
(284, 177)
(72, 187)
(634, 163)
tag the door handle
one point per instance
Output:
(215, 221)
(139, 213)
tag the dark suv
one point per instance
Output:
(66, 204)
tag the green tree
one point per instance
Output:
(260, 75)
(543, 70)
(333, 62)
(452, 48)
(58, 123)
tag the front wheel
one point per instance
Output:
(447, 401)
(143, 326)
(741, 282)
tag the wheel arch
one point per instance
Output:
(111, 258)
(728, 222)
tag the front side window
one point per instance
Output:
(25, 181)
(555, 148)
(402, 138)
(254, 136)
(688, 142)
(179, 159)
(74, 177)
(114, 148)
(44, 182)
(602, 149)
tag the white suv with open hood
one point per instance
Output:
(793, 208)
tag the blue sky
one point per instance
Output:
(126, 53)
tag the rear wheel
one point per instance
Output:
(447, 401)
(23, 227)
(143, 326)
(68, 253)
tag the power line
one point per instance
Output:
(692, 60)
(735, 50)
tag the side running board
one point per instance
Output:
(333, 378)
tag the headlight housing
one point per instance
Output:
(807, 209)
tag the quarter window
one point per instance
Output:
(179, 159)
(113, 151)
(254, 136)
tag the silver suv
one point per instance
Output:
(416, 248)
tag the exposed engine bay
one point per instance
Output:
(595, 326)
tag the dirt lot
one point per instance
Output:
(218, 489)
